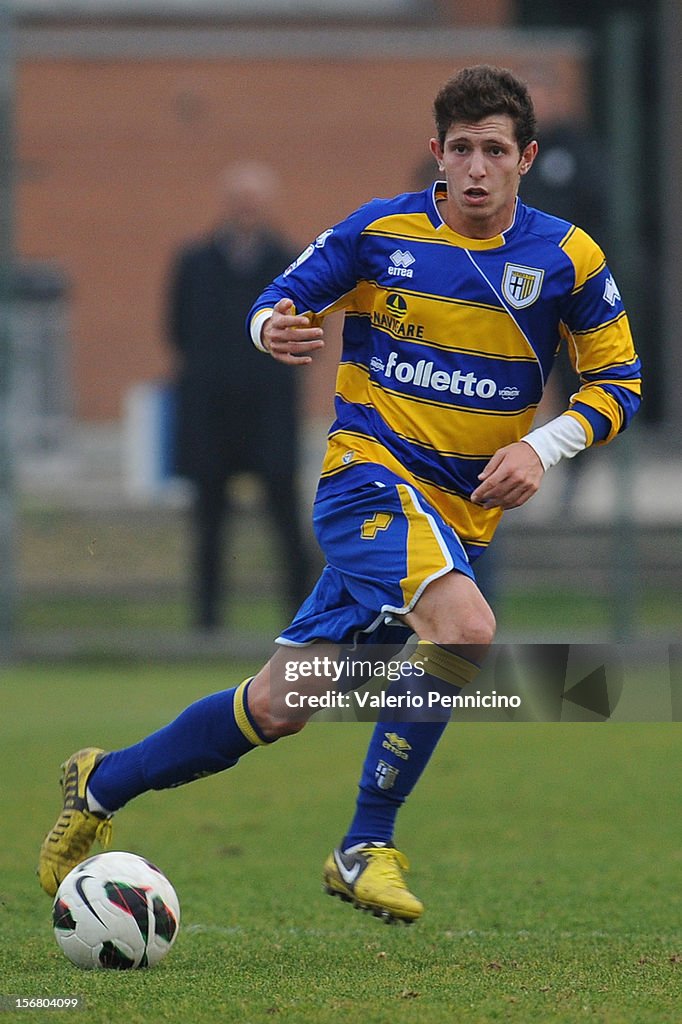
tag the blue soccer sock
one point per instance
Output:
(401, 746)
(207, 737)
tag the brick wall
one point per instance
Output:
(119, 157)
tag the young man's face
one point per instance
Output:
(482, 166)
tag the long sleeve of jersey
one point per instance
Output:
(448, 342)
(597, 333)
(324, 276)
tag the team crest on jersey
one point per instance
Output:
(521, 285)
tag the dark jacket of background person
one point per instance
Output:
(237, 409)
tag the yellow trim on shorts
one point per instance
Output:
(427, 554)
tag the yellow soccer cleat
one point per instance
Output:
(371, 878)
(69, 841)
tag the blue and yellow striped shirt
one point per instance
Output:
(448, 342)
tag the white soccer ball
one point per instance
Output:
(115, 910)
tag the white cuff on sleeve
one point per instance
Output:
(257, 322)
(561, 438)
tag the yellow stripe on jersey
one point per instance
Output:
(611, 346)
(443, 427)
(604, 403)
(417, 227)
(602, 326)
(586, 257)
(370, 294)
(347, 447)
(593, 351)
(443, 361)
(453, 325)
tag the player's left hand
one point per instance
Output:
(510, 478)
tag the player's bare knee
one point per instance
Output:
(477, 628)
(474, 622)
(469, 630)
(459, 616)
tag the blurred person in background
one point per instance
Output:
(235, 415)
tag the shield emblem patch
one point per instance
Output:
(521, 285)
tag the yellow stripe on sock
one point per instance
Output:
(444, 665)
(241, 717)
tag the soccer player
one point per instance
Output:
(456, 299)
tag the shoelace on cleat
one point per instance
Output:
(104, 833)
(395, 862)
(82, 840)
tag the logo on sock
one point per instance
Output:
(385, 775)
(397, 745)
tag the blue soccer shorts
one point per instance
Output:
(383, 544)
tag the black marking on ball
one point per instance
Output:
(165, 922)
(62, 917)
(115, 959)
(133, 901)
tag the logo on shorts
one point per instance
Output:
(379, 521)
(521, 285)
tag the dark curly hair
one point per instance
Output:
(482, 91)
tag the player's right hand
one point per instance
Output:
(288, 336)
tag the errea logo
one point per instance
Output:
(401, 263)
(611, 293)
(397, 741)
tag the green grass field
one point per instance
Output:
(549, 858)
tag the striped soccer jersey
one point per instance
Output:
(448, 342)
